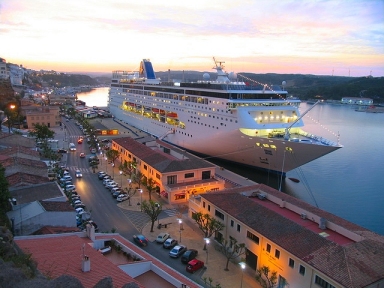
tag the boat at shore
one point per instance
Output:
(255, 125)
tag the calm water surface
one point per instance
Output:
(348, 182)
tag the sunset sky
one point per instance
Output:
(339, 37)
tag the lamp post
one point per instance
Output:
(141, 200)
(180, 223)
(106, 162)
(121, 177)
(207, 240)
(12, 106)
(242, 265)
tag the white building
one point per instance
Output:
(356, 101)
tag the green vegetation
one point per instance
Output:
(207, 224)
(152, 209)
(231, 249)
(266, 277)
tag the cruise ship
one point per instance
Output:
(251, 124)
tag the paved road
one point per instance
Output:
(103, 207)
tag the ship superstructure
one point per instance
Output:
(255, 125)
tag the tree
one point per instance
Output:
(4, 192)
(41, 132)
(112, 155)
(265, 279)
(231, 249)
(139, 177)
(150, 184)
(152, 209)
(130, 192)
(207, 224)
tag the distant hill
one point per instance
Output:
(302, 86)
(299, 85)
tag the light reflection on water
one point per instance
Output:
(348, 182)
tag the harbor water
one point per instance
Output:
(348, 182)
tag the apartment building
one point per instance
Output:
(43, 115)
(306, 246)
(178, 174)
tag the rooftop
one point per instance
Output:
(62, 254)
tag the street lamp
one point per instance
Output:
(106, 168)
(12, 106)
(121, 177)
(141, 200)
(207, 240)
(242, 265)
(180, 223)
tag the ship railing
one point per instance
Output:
(317, 139)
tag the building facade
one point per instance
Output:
(178, 175)
(306, 246)
(43, 115)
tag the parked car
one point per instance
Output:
(65, 183)
(80, 211)
(169, 243)
(101, 175)
(116, 194)
(79, 205)
(162, 237)
(111, 186)
(189, 255)
(177, 251)
(194, 265)
(78, 174)
(140, 240)
(70, 188)
(122, 197)
(66, 178)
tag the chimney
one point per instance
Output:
(85, 261)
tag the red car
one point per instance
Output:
(194, 265)
(80, 141)
(82, 155)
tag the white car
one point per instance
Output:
(70, 188)
(78, 174)
(162, 237)
(80, 211)
(122, 197)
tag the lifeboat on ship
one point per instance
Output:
(132, 104)
(126, 103)
(162, 112)
(172, 115)
(155, 110)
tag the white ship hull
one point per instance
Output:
(263, 133)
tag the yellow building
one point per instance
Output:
(178, 174)
(306, 246)
(43, 115)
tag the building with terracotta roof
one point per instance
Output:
(43, 115)
(27, 219)
(178, 174)
(20, 151)
(14, 165)
(78, 255)
(11, 140)
(306, 246)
